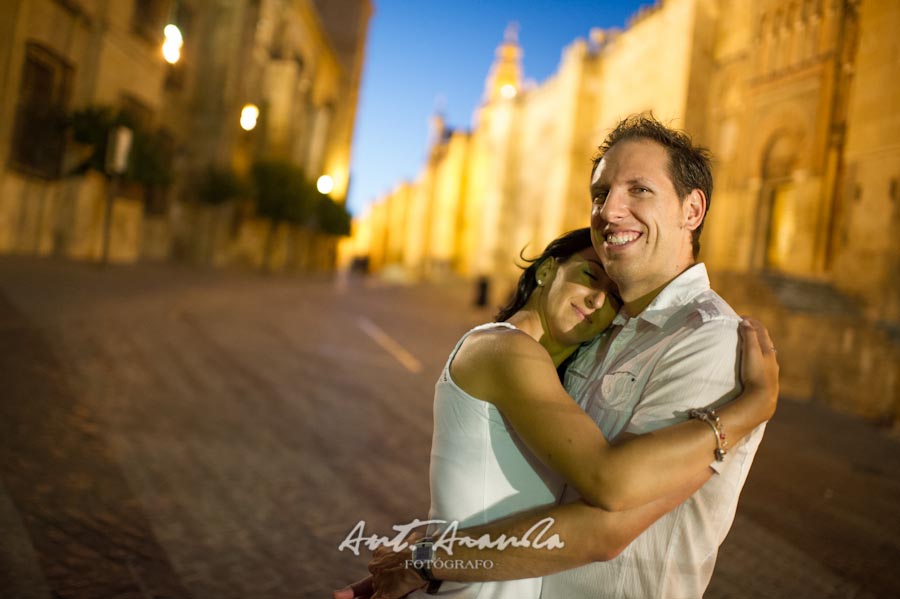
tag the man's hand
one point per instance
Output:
(759, 365)
(361, 589)
(390, 578)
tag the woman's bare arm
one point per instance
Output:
(512, 371)
(590, 534)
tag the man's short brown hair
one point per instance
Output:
(690, 165)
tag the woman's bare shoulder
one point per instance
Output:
(495, 344)
(487, 357)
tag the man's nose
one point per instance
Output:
(614, 208)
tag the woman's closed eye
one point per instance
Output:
(596, 281)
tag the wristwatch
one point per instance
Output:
(422, 560)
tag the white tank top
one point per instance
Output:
(482, 471)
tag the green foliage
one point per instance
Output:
(283, 193)
(149, 161)
(332, 218)
(90, 127)
(219, 185)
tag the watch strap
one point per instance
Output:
(422, 560)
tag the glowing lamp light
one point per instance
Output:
(171, 52)
(325, 184)
(171, 47)
(508, 91)
(249, 114)
(173, 33)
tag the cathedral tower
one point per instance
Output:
(505, 78)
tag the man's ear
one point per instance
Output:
(693, 209)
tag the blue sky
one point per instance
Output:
(424, 52)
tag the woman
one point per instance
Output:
(507, 437)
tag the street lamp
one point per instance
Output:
(249, 114)
(325, 184)
(171, 47)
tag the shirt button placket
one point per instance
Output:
(624, 337)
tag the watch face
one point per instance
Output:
(422, 551)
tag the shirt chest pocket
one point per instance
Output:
(619, 390)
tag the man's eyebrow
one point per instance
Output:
(598, 186)
(597, 262)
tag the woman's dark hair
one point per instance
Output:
(560, 249)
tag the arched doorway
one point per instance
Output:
(778, 207)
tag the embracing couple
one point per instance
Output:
(638, 456)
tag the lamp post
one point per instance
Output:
(118, 152)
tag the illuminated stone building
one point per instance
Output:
(298, 61)
(55, 57)
(797, 100)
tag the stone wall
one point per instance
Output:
(66, 219)
(829, 351)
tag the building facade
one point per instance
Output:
(298, 61)
(797, 101)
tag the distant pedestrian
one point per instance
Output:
(482, 288)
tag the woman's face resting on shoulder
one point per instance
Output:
(575, 298)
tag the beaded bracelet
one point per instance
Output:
(709, 417)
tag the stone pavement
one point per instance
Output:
(174, 433)
(69, 490)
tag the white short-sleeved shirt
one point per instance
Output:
(643, 374)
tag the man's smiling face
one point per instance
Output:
(640, 228)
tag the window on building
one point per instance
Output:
(139, 118)
(156, 196)
(148, 19)
(278, 45)
(136, 112)
(72, 6)
(175, 77)
(181, 15)
(39, 129)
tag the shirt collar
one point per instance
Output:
(673, 297)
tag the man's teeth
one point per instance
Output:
(621, 238)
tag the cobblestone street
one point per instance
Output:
(174, 433)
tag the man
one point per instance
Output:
(673, 347)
